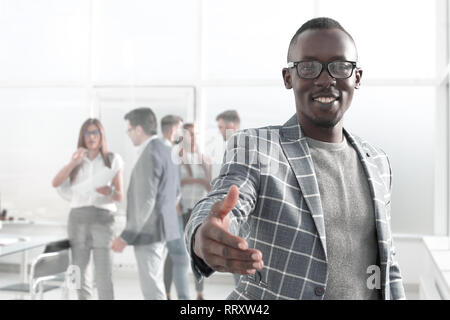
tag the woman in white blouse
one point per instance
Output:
(195, 179)
(92, 182)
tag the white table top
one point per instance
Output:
(437, 243)
(25, 243)
(439, 249)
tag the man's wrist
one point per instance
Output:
(201, 265)
(193, 242)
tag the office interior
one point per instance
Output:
(65, 61)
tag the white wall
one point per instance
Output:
(38, 129)
(136, 41)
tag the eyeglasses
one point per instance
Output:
(312, 69)
(88, 133)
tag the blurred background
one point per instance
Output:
(63, 61)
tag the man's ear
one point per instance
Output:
(139, 130)
(287, 78)
(358, 74)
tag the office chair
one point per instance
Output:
(49, 271)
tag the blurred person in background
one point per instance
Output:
(151, 203)
(91, 220)
(195, 180)
(227, 122)
(176, 267)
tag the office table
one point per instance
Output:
(435, 279)
(23, 245)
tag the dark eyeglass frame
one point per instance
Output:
(130, 129)
(94, 132)
(324, 65)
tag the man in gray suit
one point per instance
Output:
(151, 203)
(316, 197)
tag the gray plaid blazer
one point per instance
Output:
(279, 198)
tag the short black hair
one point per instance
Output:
(229, 116)
(144, 117)
(169, 121)
(317, 23)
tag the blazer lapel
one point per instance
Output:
(297, 153)
(137, 165)
(378, 192)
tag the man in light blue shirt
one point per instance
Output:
(177, 262)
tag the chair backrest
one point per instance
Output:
(48, 264)
(57, 246)
(53, 261)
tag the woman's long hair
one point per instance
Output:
(82, 144)
(203, 159)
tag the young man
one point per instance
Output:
(317, 198)
(151, 203)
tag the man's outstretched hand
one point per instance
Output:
(219, 248)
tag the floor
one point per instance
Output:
(217, 287)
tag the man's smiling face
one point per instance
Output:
(322, 102)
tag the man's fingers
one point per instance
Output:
(217, 234)
(223, 258)
(235, 266)
(222, 208)
(219, 249)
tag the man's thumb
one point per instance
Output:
(229, 202)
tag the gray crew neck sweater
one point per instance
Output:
(350, 229)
